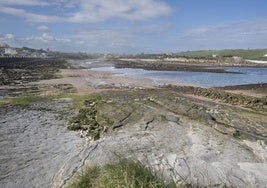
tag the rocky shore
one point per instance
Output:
(195, 136)
(35, 144)
(184, 64)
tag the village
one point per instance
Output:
(8, 51)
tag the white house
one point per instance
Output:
(10, 51)
(3, 46)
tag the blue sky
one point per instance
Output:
(134, 26)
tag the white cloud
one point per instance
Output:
(90, 11)
(43, 28)
(40, 41)
(23, 2)
(9, 36)
(134, 38)
(245, 34)
(233, 30)
(46, 38)
(29, 16)
(99, 10)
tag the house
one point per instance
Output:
(2, 48)
(2, 51)
(6, 50)
(10, 51)
(4, 45)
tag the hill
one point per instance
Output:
(253, 54)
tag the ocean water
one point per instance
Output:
(248, 76)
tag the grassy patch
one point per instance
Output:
(257, 54)
(78, 100)
(27, 100)
(86, 119)
(86, 178)
(4, 102)
(124, 173)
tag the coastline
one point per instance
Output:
(143, 119)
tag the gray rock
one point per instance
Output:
(189, 153)
(172, 118)
(33, 146)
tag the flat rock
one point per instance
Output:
(34, 144)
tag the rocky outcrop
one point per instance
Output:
(180, 138)
(257, 103)
(19, 70)
(35, 143)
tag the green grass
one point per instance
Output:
(86, 178)
(27, 100)
(78, 100)
(125, 173)
(255, 54)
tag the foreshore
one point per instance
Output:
(183, 130)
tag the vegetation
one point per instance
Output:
(124, 173)
(255, 54)
(76, 56)
(87, 119)
(18, 72)
(24, 96)
(26, 100)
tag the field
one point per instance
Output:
(254, 54)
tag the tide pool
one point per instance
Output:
(247, 75)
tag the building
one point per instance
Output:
(2, 51)
(6, 50)
(4, 45)
(2, 48)
(10, 51)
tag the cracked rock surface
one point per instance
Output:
(190, 154)
(190, 141)
(190, 151)
(34, 144)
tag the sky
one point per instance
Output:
(134, 26)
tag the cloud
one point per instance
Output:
(119, 39)
(100, 10)
(245, 34)
(29, 16)
(23, 2)
(232, 31)
(134, 38)
(39, 41)
(46, 38)
(90, 11)
(9, 36)
(43, 28)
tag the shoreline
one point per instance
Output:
(87, 81)
(139, 118)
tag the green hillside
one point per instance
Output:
(255, 54)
